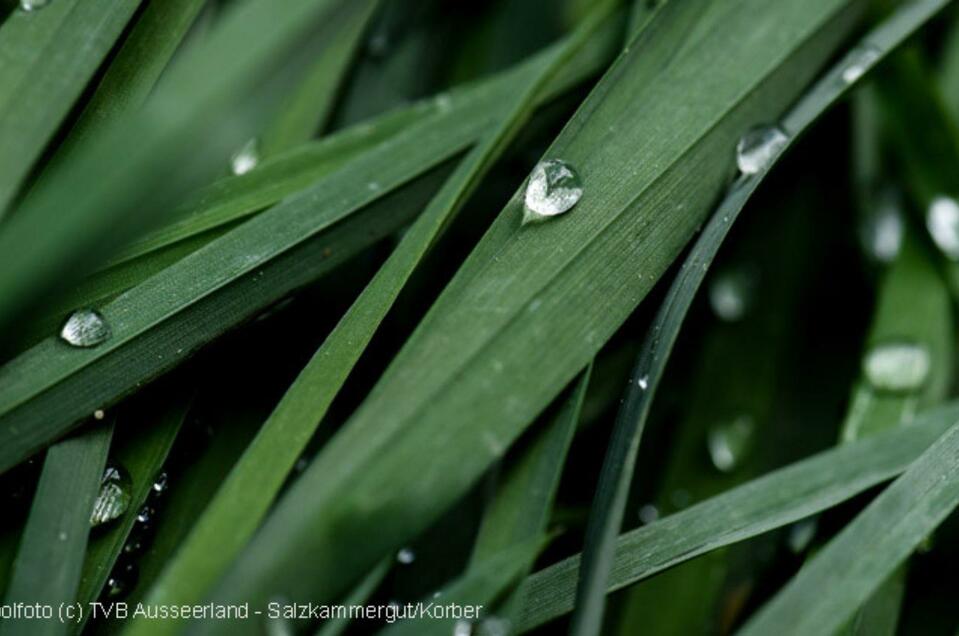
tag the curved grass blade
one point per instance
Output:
(142, 454)
(606, 517)
(842, 576)
(360, 595)
(245, 497)
(50, 557)
(53, 61)
(532, 305)
(769, 502)
(310, 104)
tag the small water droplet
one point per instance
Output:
(406, 556)
(33, 5)
(62, 536)
(758, 148)
(146, 515)
(861, 60)
(121, 581)
(882, 230)
(729, 441)
(553, 188)
(648, 513)
(85, 328)
(463, 628)
(801, 534)
(730, 295)
(114, 497)
(99, 414)
(161, 483)
(942, 221)
(643, 382)
(245, 158)
(897, 366)
(443, 102)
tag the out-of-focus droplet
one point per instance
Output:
(942, 221)
(729, 442)
(245, 158)
(897, 366)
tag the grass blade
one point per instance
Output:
(360, 594)
(50, 557)
(532, 305)
(608, 507)
(772, 501)
(64, 50)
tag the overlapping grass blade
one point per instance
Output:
(608, 507)
(232, 278)
(360, 595)
(48, 57)
(244, 499)
(772, 501)
(532, 305)
(842, 576)
(142, 456)
(148, 159)
(49, 560)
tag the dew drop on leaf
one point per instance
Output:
(406, 556)
(85, 328)
(33, 5)
(758, 148)
(245, 158)
(114, 496)
(942, 221)
(860, 60)
(553, 188)
(730, 295)
(882, 230)
(897, 366)
(801, 534)
(729, 442)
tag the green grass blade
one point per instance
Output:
(609, 505)
(142, 455)
(360, 595)
(310, 104)
(49, 560)
(772, 501)
(827, 592)
(532, 305)
(253, 484)
(63, 51)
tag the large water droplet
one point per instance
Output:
(942, 221)
(33, 5)
(758, 148)
(860, 61)
(553, 188)
(114, 497)
(729, 442)
(406, 556)
(245, 158)
(85, 328)
(730, 294)
(897, 366)
(882, 230)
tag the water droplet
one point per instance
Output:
(462, 628)
(897, 366)
(245, 158)
(121, 581)
(553, 188)
(99, 414)
(85, 328)
(730, 295)
(406, 556)
(114, 497)
(62, 536)
(758, 148)
(801, 534)
(882, 230)
(161, 483)
(33, 5)
(942, 221)
(860, 60)
(643, 382)
(729, 442)
(648, 513)
(146, 515)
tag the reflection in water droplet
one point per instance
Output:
(801, 534)
(730, 294)
(648, 513)
(114, 497)
(758, 148)
(161, 483)
(882, 230)
(897, 366)
(729, 442)
(406, 556)
(85, 328)
(553, 188)
(942, 221)
(146, 516)
(33, 5)
(245, 158)
(860, 61)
